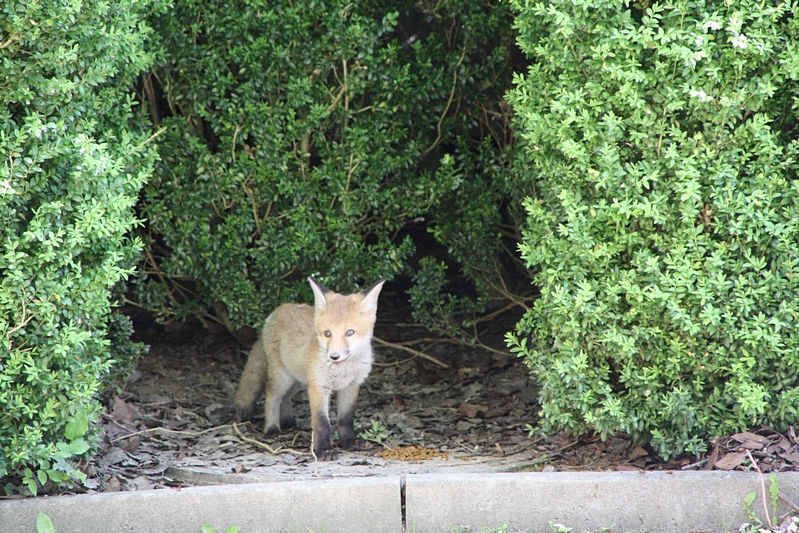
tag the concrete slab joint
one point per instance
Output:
(420, 503)
(588, 501)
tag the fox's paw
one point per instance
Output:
(271, 431)
(326, 455)
(352, 444)
(287, 423)
(243, 414)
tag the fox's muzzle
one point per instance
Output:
(339, 356)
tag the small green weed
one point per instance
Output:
(748, 500)
(464, 529)
(756, 525)
(44, 524)
(377, 433)
(208, 529)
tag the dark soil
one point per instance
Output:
(173, 423)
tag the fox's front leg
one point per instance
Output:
(320, 423)
(347, 398)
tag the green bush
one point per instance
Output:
(74, 161)
(664, 234)
(306, 137)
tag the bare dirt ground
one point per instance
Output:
(173, 425)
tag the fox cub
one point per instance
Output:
(325, 348)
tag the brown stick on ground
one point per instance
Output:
(265, 446)
(411, 350)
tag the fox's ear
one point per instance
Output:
(319, 291)
(370, 294)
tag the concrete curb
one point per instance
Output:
(433, 503)
(588, 501)
(327, 506)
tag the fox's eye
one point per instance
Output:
(327, 333)
(349, 333)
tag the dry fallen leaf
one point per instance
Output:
(471, 410)
(792, 457)
(751, 445)
(113, 485)
(637, 452)
(627, 468)
(122, 412)
(730, 461)
(745, 436)
(713, 457)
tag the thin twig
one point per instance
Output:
(418, 340)
(694, 465)
(313, 452)
(449, 103)
(417, 353)
(486, 347)
(494, 314)
(13, 38)
(346, 97)
(296, 436)
(165, 430)
(341, 91)
(148, 140)
(233, 147)
(762, 488)
(785, 498)
(395, 363)
(263, 445)
(22, 324)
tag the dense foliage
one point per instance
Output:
(73, 163)
(655, 149)
(310, 137)
(664, 235)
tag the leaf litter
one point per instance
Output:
(173, 424)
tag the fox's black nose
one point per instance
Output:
(335, 356)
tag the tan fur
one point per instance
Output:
(294, 351)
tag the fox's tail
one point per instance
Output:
(253, 381)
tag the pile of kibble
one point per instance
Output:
(412, 453)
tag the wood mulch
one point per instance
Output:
(172, 425)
